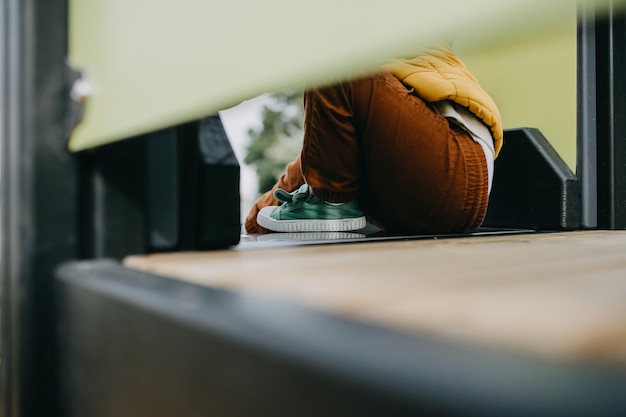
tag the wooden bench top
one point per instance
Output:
(560, 296)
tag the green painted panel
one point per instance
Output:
(533, 81)
(155, 63)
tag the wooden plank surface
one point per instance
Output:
(560, 296)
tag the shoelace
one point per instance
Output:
(304, 193)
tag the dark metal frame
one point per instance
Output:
(57, 206)
(601, 156)
(175, 189)
(534, 188)
(46, 220)
(135, 343)
(39, 194)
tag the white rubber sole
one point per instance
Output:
(316, 225)
(309, 236)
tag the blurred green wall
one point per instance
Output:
(533, 81)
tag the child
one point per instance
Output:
(410, 148)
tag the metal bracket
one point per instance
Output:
(76, 92)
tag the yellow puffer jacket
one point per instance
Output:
(438, 74)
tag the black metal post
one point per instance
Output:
(586, 163)
(611, 117)
(602, 115)
(39, 228)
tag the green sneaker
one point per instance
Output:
(301, 211)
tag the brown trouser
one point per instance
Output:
(374, 140)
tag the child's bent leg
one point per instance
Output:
(331, 160)
(373, 139)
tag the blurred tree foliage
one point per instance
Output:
(278, 141)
